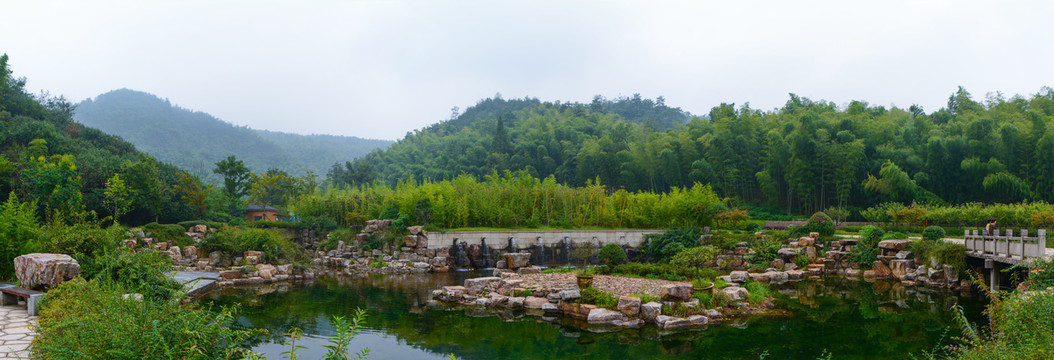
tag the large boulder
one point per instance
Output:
(603, 316)
(517, 260)
(736, 293)
(629, 305)
(482, 285)
(681, 291)
(670, 322)
(893, 244)
(650, 311)
(414, 230)
(534, 302)
(787, 254)
(266, 271)
(36, 271)
(739, 276)
(899, 267)
(881, 270)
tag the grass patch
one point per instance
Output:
(599, 298)
(758, 292)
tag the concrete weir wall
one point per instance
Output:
(483, 249)
(500, 240)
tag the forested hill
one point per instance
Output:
(807, 155)
(63, 167)
(195, 140)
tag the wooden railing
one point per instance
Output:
(1007, 245)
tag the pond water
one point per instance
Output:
(847, 318)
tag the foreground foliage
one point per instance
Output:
(91, 320)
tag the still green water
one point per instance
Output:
(849, 319)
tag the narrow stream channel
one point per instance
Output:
(850, 319)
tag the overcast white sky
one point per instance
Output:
(379, 69)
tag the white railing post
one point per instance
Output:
(1042, 243)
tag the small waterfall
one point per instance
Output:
(485, 254)
(567, 249)
(462, 253)
(540, 261)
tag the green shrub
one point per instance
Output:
(671, 242)
(173, 233)
(802, 261)
(141, 272)
(870, 235)
(726, 241)
(91, 320)
(933, 233)
(212, 224)
(235, 241)
(377, 263)
(612, 254)
(82, 240)
(599, 298)
(645, 298)
(753, 227)
(1041, 272)
(18, 225)
(894, 235)
(560, 269)
(523, 293)
(1021, 327)
(697, 256)
(863, 256)
(335, 237)
(819, 222)
(937, 253)
(765, 250)
(758, 292)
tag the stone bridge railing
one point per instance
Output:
(1006, 248)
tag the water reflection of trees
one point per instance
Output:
(853, 319)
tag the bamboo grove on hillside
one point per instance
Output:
(806, 156)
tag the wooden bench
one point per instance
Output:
(11, 294)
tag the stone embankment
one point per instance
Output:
(247, 268)
(413, 257)
(557, 294)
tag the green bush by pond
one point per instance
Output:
(92, 320)
(236, 241)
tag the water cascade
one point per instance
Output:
(461, 254)
(567, 249)
(485, 254)
(539, 253)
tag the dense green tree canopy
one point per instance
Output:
(806, 156)
(62, 166)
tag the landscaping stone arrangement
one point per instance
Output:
(234, 269)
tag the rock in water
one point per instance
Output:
(517, 260)
(37, 270)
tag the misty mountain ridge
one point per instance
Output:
(195, 140)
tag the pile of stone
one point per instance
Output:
(894, 263)
(507, 292)
(414, 257)
(257, 273)
(371, 227)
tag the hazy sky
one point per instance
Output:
(379, 69)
